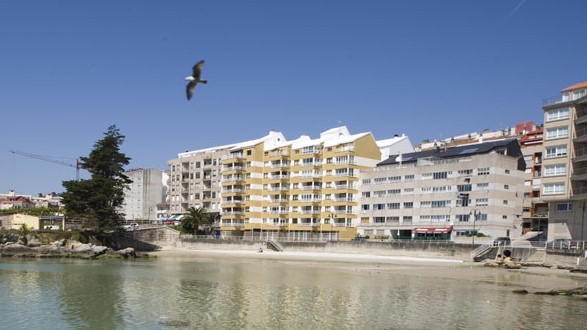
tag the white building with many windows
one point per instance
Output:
(446, 193)
(145, 192)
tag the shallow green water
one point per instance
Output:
(176, 293)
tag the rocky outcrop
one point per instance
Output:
(580, 292)
(63, 249)
(506, 262)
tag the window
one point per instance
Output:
(556, 169)
(392, 219)
(379, 219)
(556, 151)
(437, 204)
(505, 202)
(554, 188)
(393, 206)
(378, 206)
(425, 204)
(441, 189)
(462, 217)
(564, 207)
(394, 191)
(365, 207)
(379, 193)
(379, 180)
(506, 186)
(465, 172)
(366, 181)
(483, 171)
(557, 132)
(408, 205)
(409, 177)
(484, 185)
(481, 202)
(408, 191)
(395, 178)
(464, 187)
(440, 175)
(366, 194)
(557, 114)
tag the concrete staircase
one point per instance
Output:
(274, 245)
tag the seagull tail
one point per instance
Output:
(204, 81)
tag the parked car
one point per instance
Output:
(131, 226)
(502, 241)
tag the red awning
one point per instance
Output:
(432, 230)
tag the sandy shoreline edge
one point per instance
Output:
(531, 278)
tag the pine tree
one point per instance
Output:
(97, 201)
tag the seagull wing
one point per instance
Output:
(190, 89)
(198, 69)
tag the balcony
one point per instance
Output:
(278, 165)
(278, 200)
(552, 100)
(581, 119)
(231, 223)
(233, 168)
(581, 135)
(237, 155)
(579, 174)
(310, 187)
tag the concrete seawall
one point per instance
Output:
(158, 238)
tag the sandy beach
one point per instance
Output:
(533, 279)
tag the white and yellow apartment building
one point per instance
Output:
(564, 163)
(303, 189)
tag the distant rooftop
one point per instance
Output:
(575, 86)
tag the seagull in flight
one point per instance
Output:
(194, 79)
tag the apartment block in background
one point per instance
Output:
(145, 192)
(446, 193)
(564, 163)
(194, 181)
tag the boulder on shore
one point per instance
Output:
(61, 249)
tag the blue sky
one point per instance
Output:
(427, 69)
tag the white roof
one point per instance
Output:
(271, 140)
(390, 142)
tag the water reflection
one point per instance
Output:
(234, 294)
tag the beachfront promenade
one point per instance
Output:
(165, 238)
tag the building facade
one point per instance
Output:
(143, 194)
(535, 210)
(446, 193)
(564, 163)
(303, 189)
(194, 180)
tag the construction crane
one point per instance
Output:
(50, 159)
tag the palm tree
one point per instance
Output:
(194, 219)
(24, 230)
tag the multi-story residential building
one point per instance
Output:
(445, 193)
(564, 163)
(194, 181)
(301, 189)
(535, 210)
(143, 194)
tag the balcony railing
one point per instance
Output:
(552, 100)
